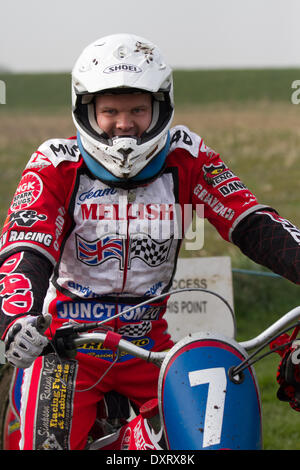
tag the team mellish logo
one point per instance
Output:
(28, 191)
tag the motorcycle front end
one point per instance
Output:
(203, 404)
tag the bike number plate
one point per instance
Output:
(202, 408)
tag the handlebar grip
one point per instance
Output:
(47, 349)
(62, 343)
(112, 340)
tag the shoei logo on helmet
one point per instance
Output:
(122, 68)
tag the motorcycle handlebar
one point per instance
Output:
(72, 336)
(274, 329)
(123, 346)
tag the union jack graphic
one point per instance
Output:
(96, 252)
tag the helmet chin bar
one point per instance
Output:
(126, 181)
(126, 158)
(127, 163)
(125, 154)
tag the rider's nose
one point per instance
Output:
(124, 123)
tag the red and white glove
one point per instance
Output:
(288, 373)
(288, 377)
(25, 341)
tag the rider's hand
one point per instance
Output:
(25, 341)
(288, 377)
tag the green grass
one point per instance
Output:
(259, 302)
(37, 92)
(51, 92)
(211, 86)
(245, 115)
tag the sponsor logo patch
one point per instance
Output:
(29, 190)
(15, 288)
(216, 174)
(25, 218)
(55, 404)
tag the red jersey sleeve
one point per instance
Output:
(38, 217)
(226, 199)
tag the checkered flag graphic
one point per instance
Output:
(135, 330)
(150, 251)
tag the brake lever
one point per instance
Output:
(62, 342)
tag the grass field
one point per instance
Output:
(248, 117)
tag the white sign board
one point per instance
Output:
(191, 311)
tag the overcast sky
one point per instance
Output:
(48, 35)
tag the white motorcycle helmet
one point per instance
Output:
(122, 63)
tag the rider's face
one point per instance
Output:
(124, 114)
